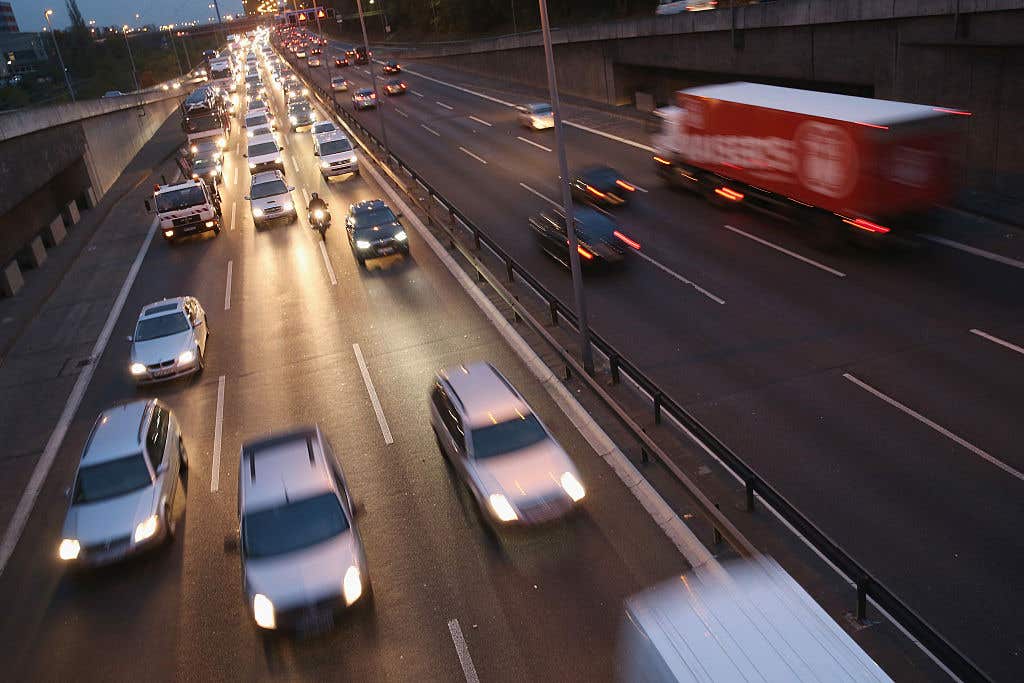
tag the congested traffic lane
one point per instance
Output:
(803, 333)
(283, 352)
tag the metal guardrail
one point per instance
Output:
(867, 586)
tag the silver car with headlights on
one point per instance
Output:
(513, 466)
(302, 558)
(169, 341)
(122, 500)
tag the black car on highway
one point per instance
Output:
(374, 231)
(600, 241)
(395, 86)
(601, 186)
(301, 114)
(341, 60)
(392, 67)
(362, 56)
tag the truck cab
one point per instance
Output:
(186, 208)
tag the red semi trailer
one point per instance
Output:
(831, 161)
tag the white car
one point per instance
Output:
(256, 107)
(122, 499)
(339, 84)
(270, 198)
(264, 155)
(536, 116)
(322, 128)
(513, 466)
(257, 120)
(261, 132)
(336, 154)
(302, 557)
(169, 340)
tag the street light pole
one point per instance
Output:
(220, 22)
(184, 48)
(570, 223)
(131, 58)
(515, 27)
(170, 35)
(373, 81)
(60, 59)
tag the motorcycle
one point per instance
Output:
(320, 220)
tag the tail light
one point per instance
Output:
(625, 186)
(596, 192)
(867, 225)
(663, 162)
(584, 253)
(625, 238)
(728, 193)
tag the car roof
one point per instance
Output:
(282, 467)
(367, 205)
(266, 177)
(260, 139)
(485, 396)
(364, 91)
(117, 432)
(162, 307)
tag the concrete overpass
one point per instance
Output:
(959, 53)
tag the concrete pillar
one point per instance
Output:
(33, 254)
(90, 198)
(70, 214)
(54, 233)
(10, 279)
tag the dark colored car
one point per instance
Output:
(364, 98)
(395, 87)
(602, 186)
(301, 114)
(392, 67)
(374, 231)
(341, 61)
(600, 241)
(362, 56)
(207, 168)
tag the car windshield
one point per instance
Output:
(507, 437)
(161, 326)
(323, 127)
(334, 147)
(268, 189)
(262, 131)
(206, 146)
(198, 124)
(203, 164)
(600, 177)
(541, 109)
(180, 199)
(111, 479)
(592, 226)
(298, 108)
(365, 92)
(373, 218)
(259, 120)
(257, 104)
(293, 526)
(262, 148)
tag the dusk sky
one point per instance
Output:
(29, 13)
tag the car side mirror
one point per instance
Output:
(247, 198)
(67, 493)
(161, 468)
(130, 338)
(399, 214)
(231, 544)
(291, 188)
(246, 156)
(316, 152)
(149, 207)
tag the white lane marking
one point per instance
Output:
(227, 288)
(480, 159)
(549, 200)
(417, 94)
(783, 250)
(429, 130)
(974, 250)
(384, 429)
(401, 113)
(218, 431)
(610, 136)
(327, 262)
(446, 106)
(481, 121)
(295, 165)
(305, 194)
(679, 277)
(462, 650)
(997, 340)
(940, 429)
(236, 175)
(35, 483)
(234, 214)
(365, 71)
(535, 144)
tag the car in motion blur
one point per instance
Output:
(169, 341)
(374, 231)
(302, 557)
(514, 468)
(600, 242)
(395, 86)
(270, 198)
(339, 84)
(122, 500)
(536, 116)
(601, 186)
(392, 67)
(364, 98)
(341, 61)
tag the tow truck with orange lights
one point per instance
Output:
(835, 164)
(186, 208)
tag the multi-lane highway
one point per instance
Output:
(879, 392)
(300, 335)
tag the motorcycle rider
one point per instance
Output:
(315, 203)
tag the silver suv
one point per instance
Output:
(513, 466)
(302, 558)
(122, 501)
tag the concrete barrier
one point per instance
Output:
(10, 279)
(54, 233)
(70, 214)
(33, 254)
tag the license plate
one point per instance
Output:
(163, 372)
(316, 620)
(191, 228)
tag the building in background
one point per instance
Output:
(20, 53)
(8, 24)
